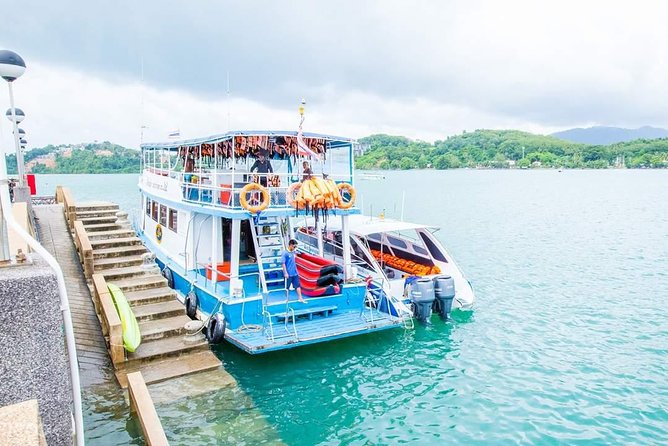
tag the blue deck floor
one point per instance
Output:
(319, 329)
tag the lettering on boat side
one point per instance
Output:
(161, 185)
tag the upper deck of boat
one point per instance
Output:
(211, 175)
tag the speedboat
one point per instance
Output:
(404, 263)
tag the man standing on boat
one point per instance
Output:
(263, 167)
(290, 269)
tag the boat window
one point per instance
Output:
(420, 250)
(374, 237)
(148, 206)
(433, 249)
(163, 215)
(154, 210)
(173, 219)
(397, 242)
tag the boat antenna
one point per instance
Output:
(141, 108)
(403, 203)
(228, 100)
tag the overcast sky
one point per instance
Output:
(423, 69)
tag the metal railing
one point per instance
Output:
(223, 189)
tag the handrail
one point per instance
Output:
(267, 316)
(64, 301)
(206, 190)
(141, 402)
(82, 243)
(111, 322)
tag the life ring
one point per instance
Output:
(191, 305)
(345, 187)
(253, 187)
(158, 233)
(167, 274)
(292, 193)
(215, 330)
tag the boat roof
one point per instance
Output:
(364, 225)
(335, 141)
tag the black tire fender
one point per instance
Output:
(167, 274)
(215, 330)
(191, 303)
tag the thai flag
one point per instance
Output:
(174, 134)
(302, 148)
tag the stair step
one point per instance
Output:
(119, 251)
(162, 328)
(97, 213)
(125, 272)
(173, 367)
(276, 280)
(159, 310)
(115, 242)
(101, 227)
(166, 347)
(150, 296)
(117, 262)
(114, 233)
(96, 206)
(97, 220)
(141, 283)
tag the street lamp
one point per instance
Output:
(12, 66)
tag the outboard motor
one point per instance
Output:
(444, 289)
(422, 296)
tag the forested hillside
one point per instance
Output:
(507, 148)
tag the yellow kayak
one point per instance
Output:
(129, 325)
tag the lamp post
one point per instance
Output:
(12, 67)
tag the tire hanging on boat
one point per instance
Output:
(167, 274)
(215, 330)
(191, 303)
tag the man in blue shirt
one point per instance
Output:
(290, 269)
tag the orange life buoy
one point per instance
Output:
(254, 187)
(292, 193)
(351, 191)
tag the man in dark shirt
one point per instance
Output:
(263, 167)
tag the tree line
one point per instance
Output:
(507, 149)
(104, 157)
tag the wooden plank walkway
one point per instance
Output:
(54, 234)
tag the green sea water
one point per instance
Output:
(567, 344)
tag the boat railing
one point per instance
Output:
(224, 189)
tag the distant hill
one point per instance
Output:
(610, 135)
(507, 149)
(104, 157)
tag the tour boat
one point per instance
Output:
(218, 231)
(401, 261)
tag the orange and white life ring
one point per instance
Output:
(292, 193)
(254, 187)
(345, 187)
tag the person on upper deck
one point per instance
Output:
(307, 171)
(263, 167)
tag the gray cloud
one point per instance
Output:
(551, 63)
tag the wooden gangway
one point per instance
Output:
(109, 251)
(54, 235)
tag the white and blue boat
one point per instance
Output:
(218, 230)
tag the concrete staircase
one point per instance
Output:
(167, 349)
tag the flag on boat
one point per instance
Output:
(174, 134)
(302, 148)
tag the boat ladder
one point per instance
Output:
(269, 244)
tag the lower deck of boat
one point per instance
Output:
(315, 326)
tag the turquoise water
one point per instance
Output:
(567, 343)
